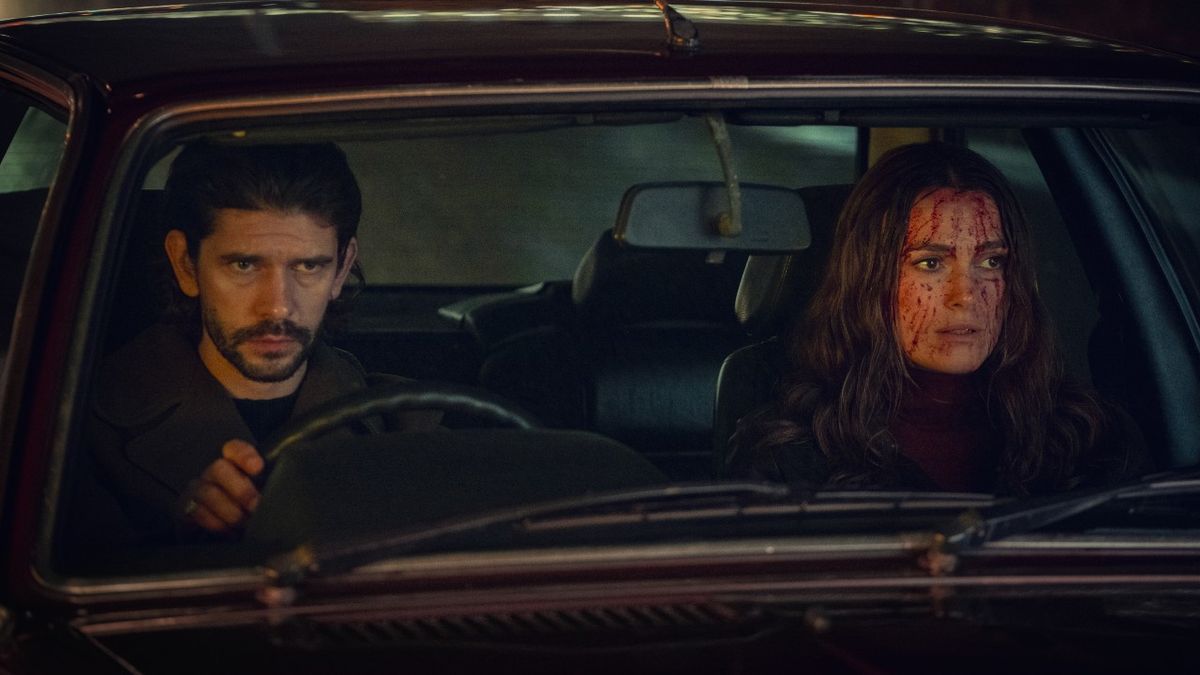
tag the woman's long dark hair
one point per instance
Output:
(850, 371)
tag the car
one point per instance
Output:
(552, 196)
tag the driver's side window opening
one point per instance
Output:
(31, 147)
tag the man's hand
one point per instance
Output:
(224, 496)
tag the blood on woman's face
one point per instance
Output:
(950, 300)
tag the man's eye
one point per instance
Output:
(242, 265)
(928, 264)
(309, 266)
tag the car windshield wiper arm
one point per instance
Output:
(972, 530)
(294, 566)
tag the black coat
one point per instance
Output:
(1119, 455)
(159, 418)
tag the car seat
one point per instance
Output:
(654, 327)
(773, 293)
(527, 349)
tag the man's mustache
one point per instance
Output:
(283, 328)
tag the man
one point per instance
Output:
(261, 241)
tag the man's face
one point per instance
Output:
(950, 300)
(263, 279)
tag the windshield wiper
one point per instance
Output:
(615, 508)
(971, 529)
(680, 503)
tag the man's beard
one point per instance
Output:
(275, 368)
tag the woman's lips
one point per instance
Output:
(960, 331)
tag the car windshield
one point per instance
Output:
(616, 326)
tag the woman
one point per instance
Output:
(925, 360)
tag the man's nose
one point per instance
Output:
(275, 299)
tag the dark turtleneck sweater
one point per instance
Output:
(942, 426)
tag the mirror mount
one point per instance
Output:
(729, 223)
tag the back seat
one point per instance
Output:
(527, 350)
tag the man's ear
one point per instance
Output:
(181, 263)
(344, 269)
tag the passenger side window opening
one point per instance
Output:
(1162, 172)
(1070, 301)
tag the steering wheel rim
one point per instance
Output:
(400, 395)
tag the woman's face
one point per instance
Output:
(950, 302)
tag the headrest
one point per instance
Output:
(775, 288)
(619, 284)
(143, 283)
(666, 260)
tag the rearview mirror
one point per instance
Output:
(686, 216)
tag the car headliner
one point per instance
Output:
(208, 48)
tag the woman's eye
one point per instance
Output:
(994, 262)
(928, 264)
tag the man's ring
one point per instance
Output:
(190, 507)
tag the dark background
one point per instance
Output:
(1166, 24)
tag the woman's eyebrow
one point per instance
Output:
(931, 247)
(928, 246)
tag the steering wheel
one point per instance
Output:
(399, 394)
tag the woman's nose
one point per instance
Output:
(960, 289)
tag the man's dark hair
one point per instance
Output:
(311, 178)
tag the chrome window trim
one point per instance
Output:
(53, 90)
(525, 565)
(714, 90)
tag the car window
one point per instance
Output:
(518, 208)
(32, 142)
(1160, 165)
(1064, 287)
(510, 202)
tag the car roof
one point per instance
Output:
(179, 49)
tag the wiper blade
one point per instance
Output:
(599, 510)
(971, 529)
